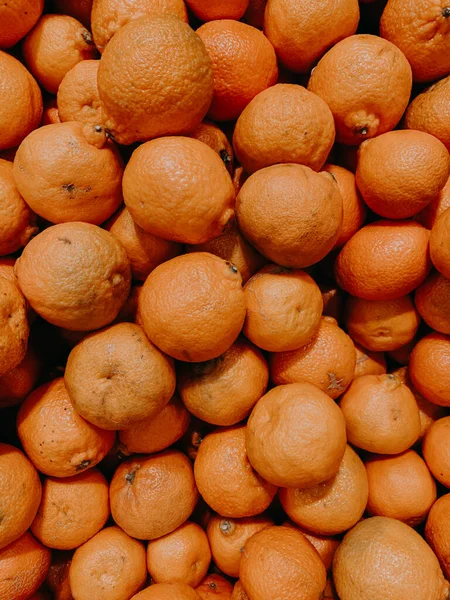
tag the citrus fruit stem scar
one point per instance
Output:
(87, 37)
(130, 477)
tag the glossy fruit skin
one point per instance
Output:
(382, 325)
(22, 107)
(54, 45)
(428, 368)
(429, 111)
(340, 79)
(159, 51)
(284, 124)
(244, 64)
(218, 9)
(301, 33)
(400, 487)
(400, 172)
(371, 267)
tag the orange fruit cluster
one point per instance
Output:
(225, 300)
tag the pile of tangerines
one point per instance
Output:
(225, 300)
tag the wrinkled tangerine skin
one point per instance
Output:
(155, 78)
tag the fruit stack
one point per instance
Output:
(225, 300)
